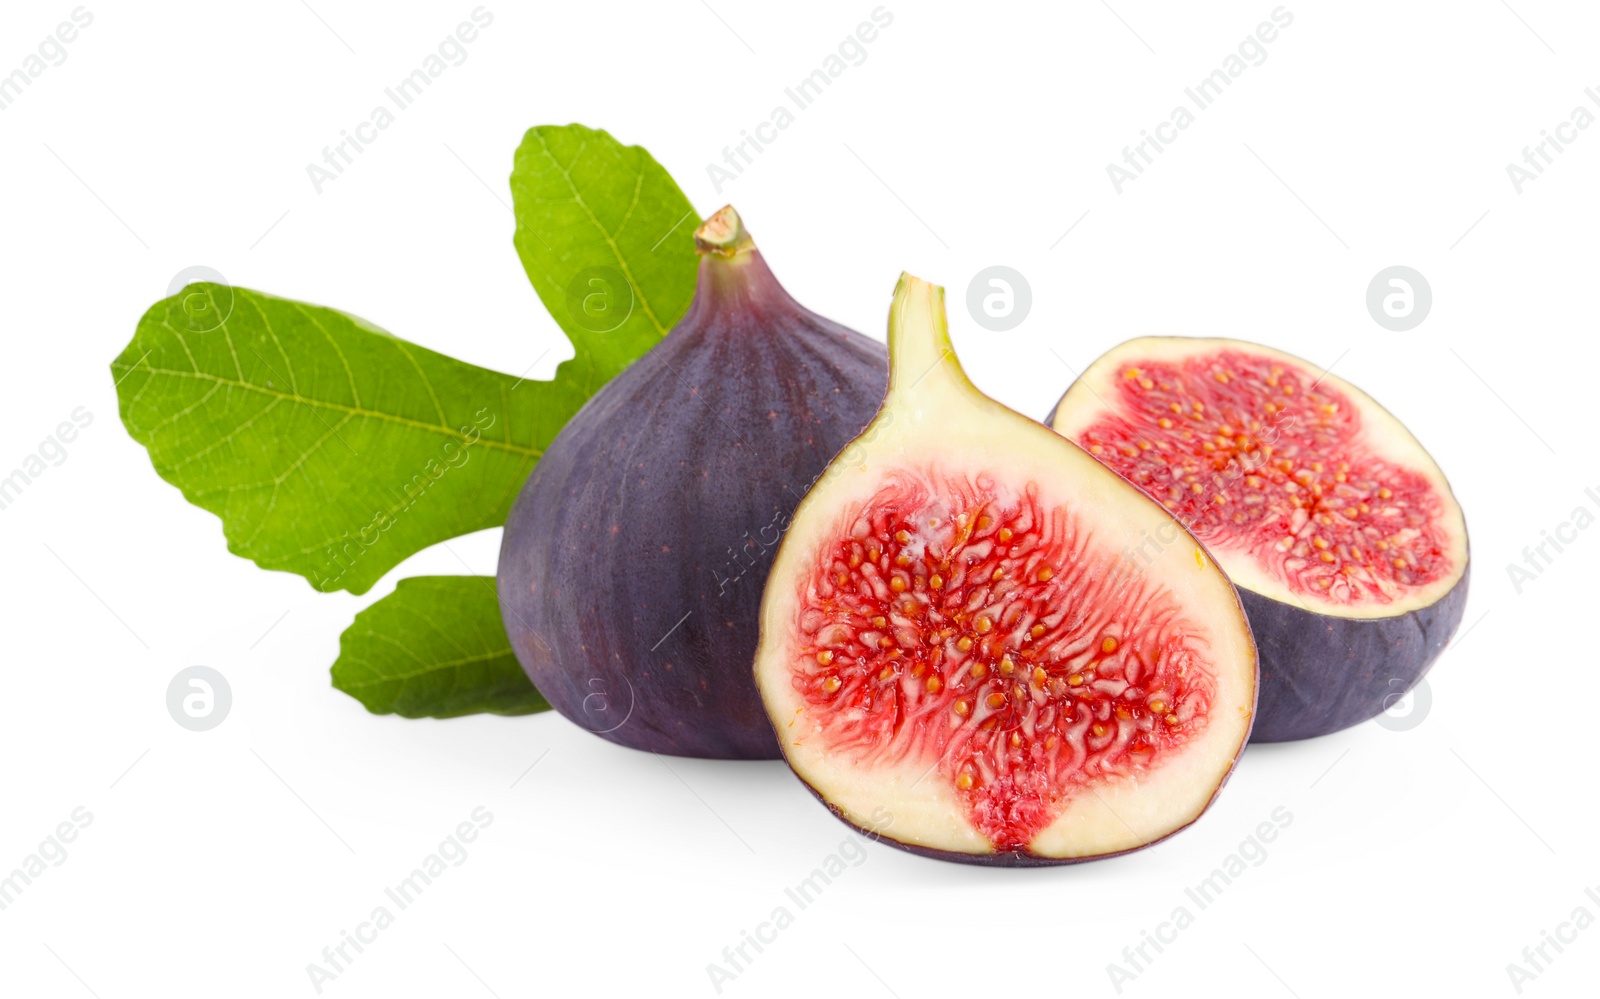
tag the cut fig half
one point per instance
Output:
(1347, 546)
(956, 654)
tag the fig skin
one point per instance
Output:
(633, 560)
(1321, 673)
(999, 858)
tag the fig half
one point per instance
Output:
(957, 657)
(1348, 548)
(632, 562)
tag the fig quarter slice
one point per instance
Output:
(956, 655)
(1348, 548)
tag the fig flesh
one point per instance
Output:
(632, 564)
(958, 659)
(1343, 537)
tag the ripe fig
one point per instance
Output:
(1348, 549)
(631, 569)
(958, 659)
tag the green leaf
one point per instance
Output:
(328, 447)
(607, 239)
(334, 450)
(434, 648)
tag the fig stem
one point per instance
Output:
(723, 234)
(919, 337)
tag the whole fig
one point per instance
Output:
(633, 561)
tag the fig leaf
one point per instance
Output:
(335, 450)
(328, 447)
(332, 449)
(607, 239)
(434, 648)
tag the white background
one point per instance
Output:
(221, 863)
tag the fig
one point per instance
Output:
(956, 656)
(632, 563)
(1343, 537)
